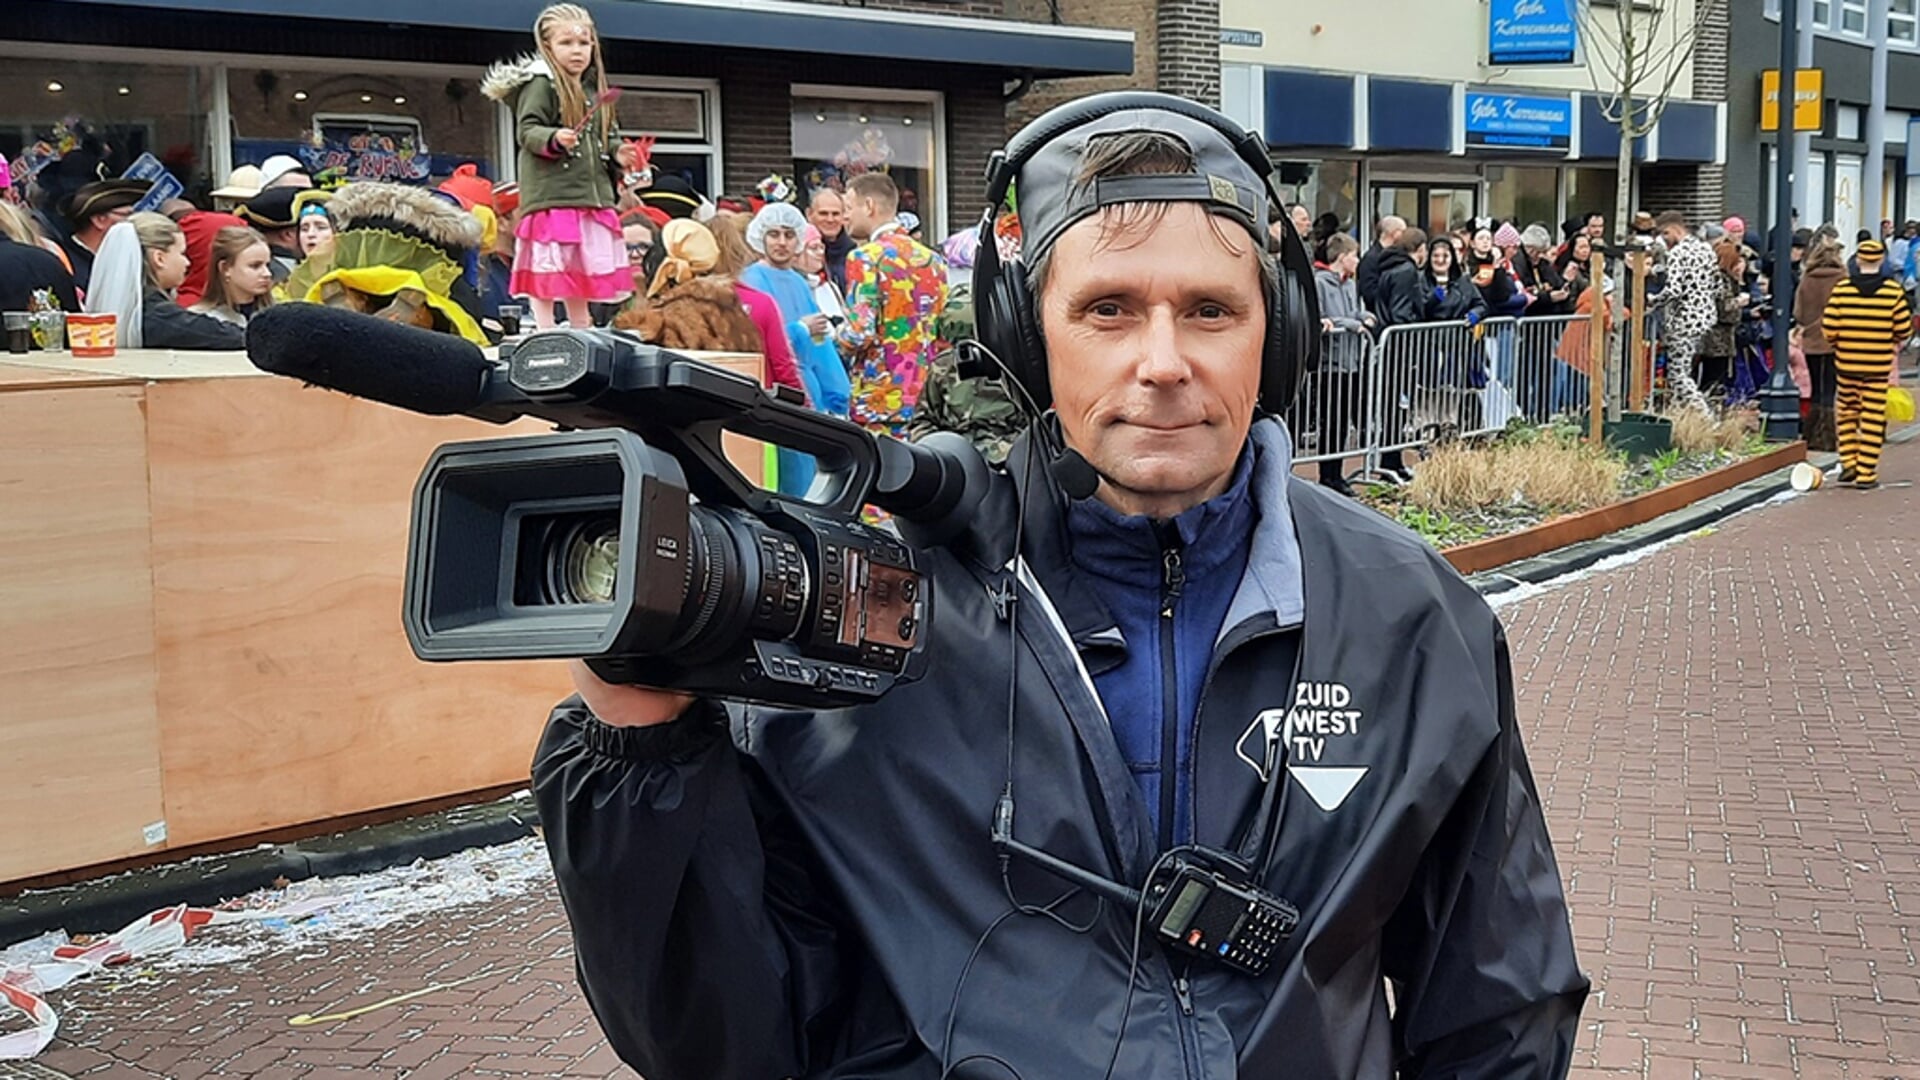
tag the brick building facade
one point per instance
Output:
(813, 89)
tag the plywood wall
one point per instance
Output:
(79, 738)
(287, 691)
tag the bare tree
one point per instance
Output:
(1634, 70)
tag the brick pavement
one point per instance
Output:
(1727, 737)
(1725, 732)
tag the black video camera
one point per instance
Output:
(632, 541)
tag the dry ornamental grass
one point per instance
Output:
(1553, 473)
(1695, 432)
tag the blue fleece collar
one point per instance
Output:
(1127, 548)
(1106, 543)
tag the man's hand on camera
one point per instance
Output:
(625, 706)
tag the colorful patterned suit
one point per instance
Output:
(896, 294)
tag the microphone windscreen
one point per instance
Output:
(421, 370)
(1075, 475)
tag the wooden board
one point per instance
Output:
(287, 692)
(18, 377)
(79, 744)
(148, 364)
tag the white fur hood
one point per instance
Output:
(505, 78)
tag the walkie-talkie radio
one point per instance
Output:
(1215, 912)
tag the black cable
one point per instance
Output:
(980, 944)
(953, 1007)
(1133, 968)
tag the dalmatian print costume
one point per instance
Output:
(1691, 306)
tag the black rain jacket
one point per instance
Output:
(758, 893)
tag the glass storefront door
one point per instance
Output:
(1432, 207)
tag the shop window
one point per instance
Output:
(681, 121)
(362, 125)
(836, 138)
(1524, 195)
(1591, 190)
(1329, 187)
(68, 122)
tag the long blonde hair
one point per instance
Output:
(573, 97)
(157, 232)
(17, 226)
(228, 245)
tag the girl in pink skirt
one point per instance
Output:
(570, 248)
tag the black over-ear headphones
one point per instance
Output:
(1006, 320)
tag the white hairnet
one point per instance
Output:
(774, 215)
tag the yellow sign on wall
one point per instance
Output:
(1808, 114)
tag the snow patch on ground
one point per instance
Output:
(307, 915)
(363, 903)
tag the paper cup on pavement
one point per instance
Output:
(1806, 477)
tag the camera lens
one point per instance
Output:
(593, 561)
(578, 558)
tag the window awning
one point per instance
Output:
(773, 25)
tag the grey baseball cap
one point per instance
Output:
(1052, 197)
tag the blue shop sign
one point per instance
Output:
(1514, 122)
(1532, 32)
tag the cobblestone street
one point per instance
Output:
(1725, 732)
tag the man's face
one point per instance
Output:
(1154, 331)
(863, 216)
(1673, 234)
(100, 223)
(1347, 263)
(1302, 220)
(783, 247)
(1596, 226)
(828, 213)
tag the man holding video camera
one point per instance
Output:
(1211, 773)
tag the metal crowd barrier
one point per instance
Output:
(1423, 383)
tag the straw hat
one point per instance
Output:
(242, 183)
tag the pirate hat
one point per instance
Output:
(102, 197)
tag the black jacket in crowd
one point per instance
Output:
(1456, 300)
(1399, 291)
(1367, 276)
(759, 893)
(1490, 275)
(164, 324)
(1539, 277)
(24, 268)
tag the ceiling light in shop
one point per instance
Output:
(299, 95)
(907, 120)
(819, 118)
(54, 88)
(400, 99)
(125, 90)
(366, 98)
(863, 119)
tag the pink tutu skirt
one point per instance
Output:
(570, 251)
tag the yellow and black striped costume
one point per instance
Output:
(1866, 320)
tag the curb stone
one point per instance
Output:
(107, 904)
